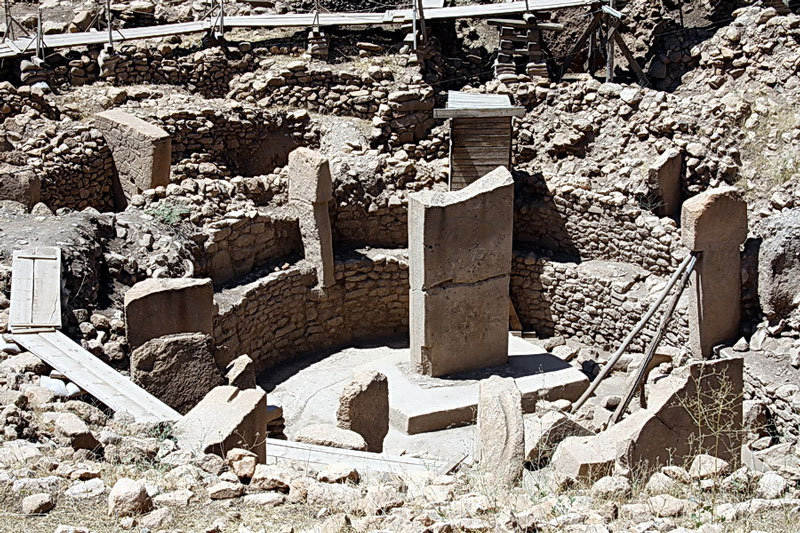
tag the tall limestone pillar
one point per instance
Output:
(310, 191)
(714, 223)
(459, 245)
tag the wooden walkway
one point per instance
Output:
(95, 377)
(34, 321)
(27, 45)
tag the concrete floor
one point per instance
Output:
(308, 389)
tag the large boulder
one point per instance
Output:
(779, 265)
(177, 369)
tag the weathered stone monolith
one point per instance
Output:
(500, 439)
(162, 306)
(364, 408)
(460, 261)
(714, 223)
(310, 191)
(665, 176)
(142, 151)
(226, 418)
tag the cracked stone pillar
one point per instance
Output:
(310, 191)
(714, 223)
(459, 246)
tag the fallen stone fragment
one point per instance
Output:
(86, 490)
(265, 499)
(241, 373)
(157, 519)
(543, 434)
(77, 433)
(70, 529)
(226, 418)
(611, 487)
(338, 473)
(38, 503)
(771, 485)
(178, 498)
(330, 435)
(660, 483)
(128, 497)
(225, 490)
(242, 462)
(364, 408)
(706, 466)
(664, 505)
(500, 439)
(270, 477)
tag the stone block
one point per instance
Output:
(241, 373)
(163, 306)
(462, 236)
(543, 434)
(315, 230)
(500, 440)
(460, 327)
(309, 176)
(665, 175)
(696, 409)
(333, 436)
(364, 408)
(715, 224)
(20, 184)
(225, 419)
(142, 151)
(177, 369)
(713, 220)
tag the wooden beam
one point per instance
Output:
(578, 45)
(478, 112)
(643, 81)
(514, 23)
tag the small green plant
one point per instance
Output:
(167, 212)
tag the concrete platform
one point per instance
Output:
(421, 404)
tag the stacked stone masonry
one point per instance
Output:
(594, 302)
(279, 316)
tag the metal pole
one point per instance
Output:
(651, 349)
(414, 24)
(39, 39)
(645, 319)
(221, 19)
(108, 22)
(422, 27)
(9, 23)
(316, 16)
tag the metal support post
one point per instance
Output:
(414, 24)
(39, 35)
(108, 23)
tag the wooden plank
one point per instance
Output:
(316, 455)
(642, 77)
(477, 112)
(95, 377)
(36, 288)
(516, 23)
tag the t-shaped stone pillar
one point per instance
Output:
(310, 190)
(714, 223)
(459, 247)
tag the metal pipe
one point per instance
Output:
(651, 349)
(108, 22)
(635, 331)
(414, 24)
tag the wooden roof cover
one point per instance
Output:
(460, 104)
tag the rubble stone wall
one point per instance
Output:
(590, 225)
(400, 113)
(356, 225)
(596, 303)
(279, 316)
(235, 246)
(248, 140)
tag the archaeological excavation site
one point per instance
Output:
(416, 266)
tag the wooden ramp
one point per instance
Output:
(34, 321)
(95, 377)
(319, 456)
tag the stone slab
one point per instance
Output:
(309, 176)
(449, 403)
(461, 236)
(450, 331)
(163, 306)
(713, 220)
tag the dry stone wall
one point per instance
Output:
(594, 302)
(279, 316)
(588, 224)
(400, 112)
